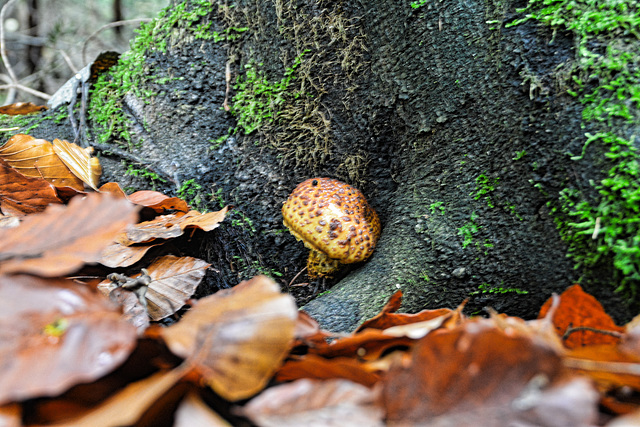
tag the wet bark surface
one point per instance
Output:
(458, 135)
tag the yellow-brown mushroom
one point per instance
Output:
(334, 220)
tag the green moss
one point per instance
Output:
(486, 288)
(485, 186)
(173, 24)
(603, 233)
(468, 230)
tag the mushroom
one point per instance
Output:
(334, 220)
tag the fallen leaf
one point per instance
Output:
(171, 226)
(55, 334)
(9, 221)
(21, 195)
(315, 404)
(158, 201)
(11, 415)
(308, 331)
(367, 345)
(63, 238)
(79, 161)
(129, 405)
(174, 280)
(36, 158)
(21, 108)
(606, 365)
(114, 189)
(466, 374)
(118, 255)
(579, 309)
(132, 311)
(316, 367)
(193, 412)
(237, 338)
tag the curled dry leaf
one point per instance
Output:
(63, 238)
(467, 373)
(237, 338)
(118, 255)
(172, 225)
(55, 334)
(22, 108)
(579, 309)
(36, 158)
(315, 403)
(79, 161)
(316, 367)
(158, 201)
(368, 345)
(21, 195)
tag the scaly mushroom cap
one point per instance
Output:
(332, 218)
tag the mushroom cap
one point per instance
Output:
(333, 218)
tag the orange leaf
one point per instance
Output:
(193, 412)
(79, 161)
(237, 338)
(579, 309)
(21, 195)
(368, 344)
(158, 201)
(113, 188)
(36, 158)
(316, 367)
(21, 108)
(63, 238)
(55, 334)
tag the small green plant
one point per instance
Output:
(484, 186)
(519, 154)
(468, 230)
(217, 196)
(436, 206)
(486, 288)
(191, 192)
(145, 173)
(243, 221)
(216, 143)
(257, 100)
(418, 3)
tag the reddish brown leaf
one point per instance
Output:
(367, 345)
(172, 225)
(607, 365)
(158, 201)
(21, 108)
(63, 238)
(315, 404)
(579, 309)
(237, 338)
(55, 334)
(308, 331)
(114, 189)
(316, 367)
(459, 374)
(36, 158)
(21, 195)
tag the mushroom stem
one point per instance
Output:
(320, 265)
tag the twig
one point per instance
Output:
(571, 330)
(106, 27)
(296, 276)
(66, 58)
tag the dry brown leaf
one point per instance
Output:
(7, 221)
(132, 311)
(114, 189)
(237, 338)
(579, 309)
(36, 158)
(79, 161)
(63, 238)
(315, 404)
(118, 255)
(316, 367)
(11, 415)
(308, 331)
(158, 201)
(22, 108)
(171, 226)
(21, 195)
(55, 334)
(174, 280)
(469, 373)
(128, 406)
(368, 345)
(193, 412)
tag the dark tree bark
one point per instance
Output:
(456, 132)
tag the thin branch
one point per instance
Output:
(66, 58)
(3, 47)
(571, 330)
(106, 27)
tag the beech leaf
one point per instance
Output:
(62, 238)
(158, 201)
(55, 334)
(79, 161)
(237, 338)
(21, 195)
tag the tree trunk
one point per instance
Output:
(458, 129)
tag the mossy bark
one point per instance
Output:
(456, 128)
